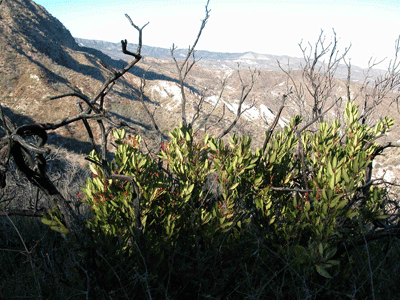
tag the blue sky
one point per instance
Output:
(269, 27)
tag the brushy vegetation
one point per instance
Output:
(206, 217)
(219, 221)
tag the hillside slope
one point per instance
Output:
(41, 59)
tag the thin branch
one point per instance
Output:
(246, 89)
(318, 117)
(203, 25)
(283, 189)
(88, 129)
(185, 65)
(224, 82)
(118, 74)
(271, 129)
(23, 212)
(79, 117)
(345, 246)
(216, 122)
(139, 48)
(34, 167)
(141, 97)
(348, 80)
(81, 96)
(319, 77)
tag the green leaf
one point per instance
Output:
(335, 201)
(333, 262)
(334, 162)
(190, 189)
(332, 182)
(345, 176)
(321, 271)
(225, 225)
(307, 206)
(268, 205)
(239, 224)
(49, 222)
(93, 169)
(142, 163)
(342, 204)
(250, 166)
(178, 152)
(381, 217)
(299, 250)
(338, 175)
(321, 248)
(115, 134)
(187, 137)
(324, 194)
(258, 180)
(347, 113)
(234, 186)
(206, 137)
(61, 229)
(212, 145)
(119, 134)
(330, 170)
(325, 209)
(254, 160)
(351, 213)
(330, 253)
(113, 203)
(272, 157)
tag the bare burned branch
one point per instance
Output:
(217, 121)
(245, 91)
(23, 212)
(141, 97)
(14, 142)
(275, 122)
(381, 87)
(207, 116)
(184, 68)
(318, 75)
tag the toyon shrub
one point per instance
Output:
(206, 204)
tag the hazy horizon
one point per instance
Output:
(278, 26)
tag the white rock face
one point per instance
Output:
(171, 92)
(248, 56)
(263, 57)
(168, 90)
(34, 76)
(267, 114)
(212, 100)
(387, 175)
(250, 114)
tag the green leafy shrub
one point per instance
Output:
(217, 208)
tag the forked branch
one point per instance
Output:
(29, 157)
(245, 92)
(184, 68)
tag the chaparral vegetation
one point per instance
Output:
(202, 213)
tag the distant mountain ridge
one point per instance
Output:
(224, 60)
(41, 59)
(114, 51)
